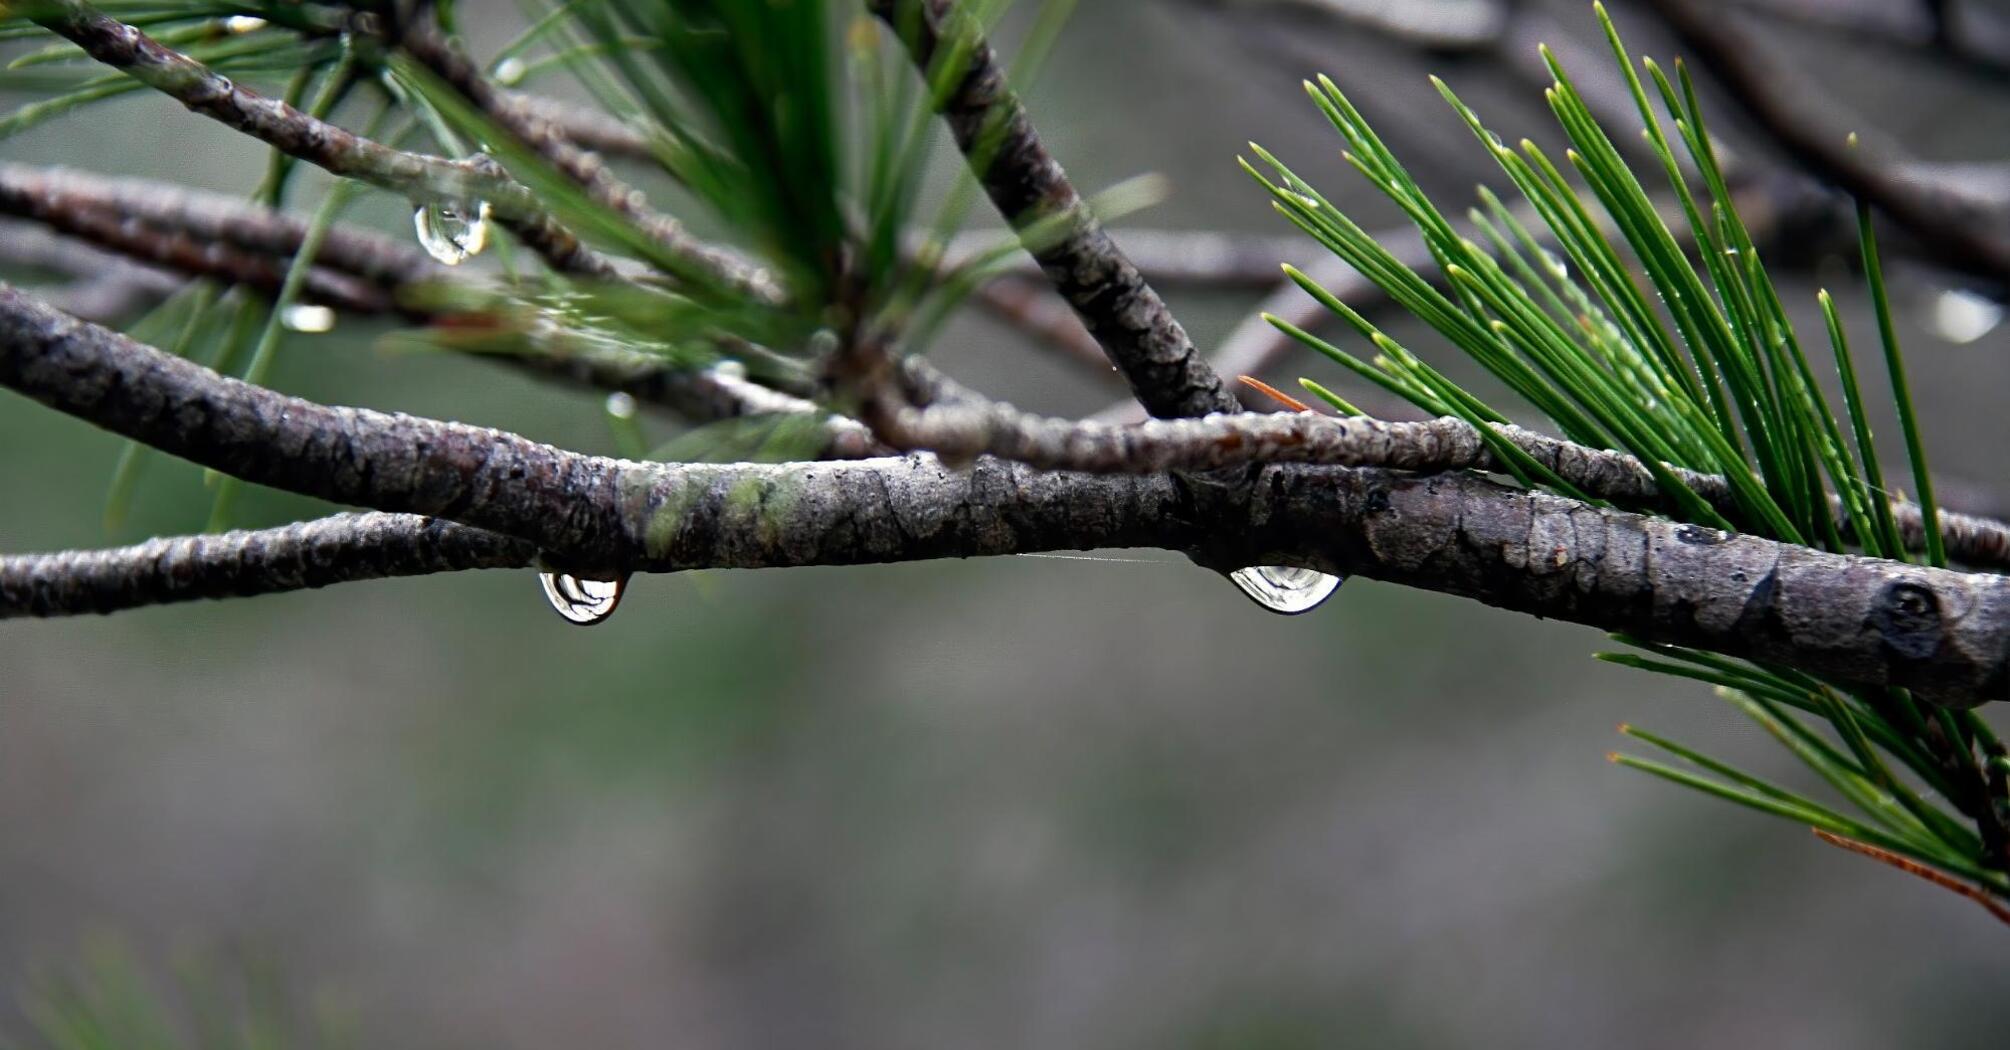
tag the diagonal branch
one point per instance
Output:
(1785, 108)
(1853, 620)
(991, 127)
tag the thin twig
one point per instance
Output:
(1912, 867)
(337, 549)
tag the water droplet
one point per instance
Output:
(451, 232)
(581, 600)
(511, 71)
(308, 317)
(1284, 589)
(241, 24)
(621, 405)
(1962, 316)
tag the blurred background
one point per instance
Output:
(1013, 802)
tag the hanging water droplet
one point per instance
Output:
(1961, 316)
(241, 24)
(621, 405)
(511, 71)
(1284, 589)
(581, 600)
(308, 317)
(452, 231)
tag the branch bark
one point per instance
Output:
(332, 148)
(991, 127)
(1855, 620)
(338, 549)
(967, 428)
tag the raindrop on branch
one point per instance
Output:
(451, 232)
(581, 600)
(1284, 589)
(242, 24)
(510, 71)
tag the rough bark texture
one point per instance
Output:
(335, 149)
(970, 427)
(1121, 310)
(1860, 620)
(339, 549)
(1855, 620)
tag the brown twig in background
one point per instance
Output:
(1784, 107)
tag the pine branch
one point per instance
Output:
(1027, 185)
(49, 194)
(1854, 620)
(963, 430)
(212, 235)
(332, 148)
(338, 549)
(104, 222)
(583, 167)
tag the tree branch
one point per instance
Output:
(211, 235)
(1121, 310)
(335, 149)
(1855, 620)
(106, 224)
(967, 428)
(338, 549)
(583, 167)
(51, 194)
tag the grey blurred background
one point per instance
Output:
(1014, 802)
